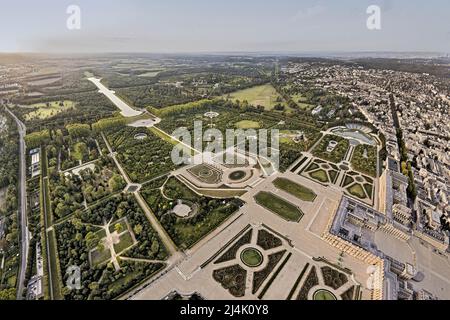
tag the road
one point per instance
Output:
(25, 236)
(127, 111)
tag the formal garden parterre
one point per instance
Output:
(255, 256)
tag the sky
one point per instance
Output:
(167, 26)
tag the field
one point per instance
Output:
(279, 206)
(48, 110)
(264, 95)
(295, 189)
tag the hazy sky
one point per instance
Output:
(225, 25)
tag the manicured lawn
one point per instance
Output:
(333, 175)
(264, 95)
(251, 257)
(320, 175)
(247, 124)
(347, 181)
(323, 295)
(100, 256)
(357, 191)
(369, 189)
(126, 241)
(295, 189)
(279, 206)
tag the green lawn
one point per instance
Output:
(264, 95)
(247, 124)
(357, 191)
(45, 111)
(323, 295)
(320, 175)
(302, 102)
(189, 234)
(99, 257)
(369, 189)
(126, 241)
(251, 257)
(295, 189)
(281, 207)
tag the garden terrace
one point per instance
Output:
(359, 186)
(325, 281)
(321, 171)
(162, 196)
(232, 116)
(207, 173)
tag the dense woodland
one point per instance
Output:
(103, 282)
(9, 228)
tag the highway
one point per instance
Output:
(23, 221)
